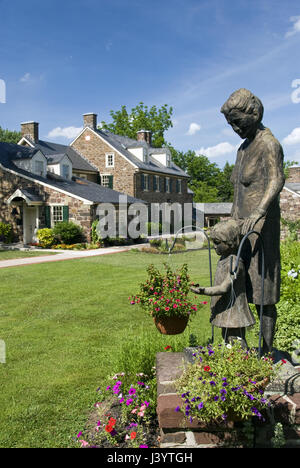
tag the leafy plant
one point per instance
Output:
(46, 237)
(224, 382)
(166, 294)
(96, 238)
(67, 232)
(5, 232)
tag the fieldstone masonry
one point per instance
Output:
(177, 432)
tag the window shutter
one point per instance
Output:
(165, 184)
(47, 217)
(111, 181)
(177, 186)
(142, 181)
(65, 213)
(171, 185)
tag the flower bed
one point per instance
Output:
(124, 415)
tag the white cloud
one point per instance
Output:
(218, 150)
(295, 28)
(193, 128)
(25, 78)
(295, 96)
(66, 132)
(293, 138)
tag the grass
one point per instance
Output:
(64, 325)
(11, 254)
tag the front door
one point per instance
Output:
(30, 224)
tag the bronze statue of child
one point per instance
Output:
(229, 306)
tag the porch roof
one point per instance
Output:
(29, 197)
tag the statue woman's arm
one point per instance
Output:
(274, 172)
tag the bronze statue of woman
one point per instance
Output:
(258, 179)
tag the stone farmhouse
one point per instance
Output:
(42, 183)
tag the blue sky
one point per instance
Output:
(61, 59)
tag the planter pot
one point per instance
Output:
(171, 325)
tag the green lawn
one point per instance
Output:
(11, 254)
(63, 325)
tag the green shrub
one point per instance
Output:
(67, 232)
(5, 233)
(290, 271)
(287, 325)
(45, 237)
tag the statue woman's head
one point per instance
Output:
(244, 112)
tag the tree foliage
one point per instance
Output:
(209, 183)
(141, 117)
(9, 136)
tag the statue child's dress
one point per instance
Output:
(226, 313)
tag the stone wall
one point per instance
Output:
(94, 150)
(290, 209)
(294, 175)
(177, 432)
(9, 183)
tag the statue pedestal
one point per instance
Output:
(177, 432)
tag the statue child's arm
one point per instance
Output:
(217, 290)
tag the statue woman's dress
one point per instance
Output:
(258, 174)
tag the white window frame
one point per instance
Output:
(179, 181)
(146, 182)
(167, 184)
(53, 214)
(157, 183)
(106, 178)
(110, 160)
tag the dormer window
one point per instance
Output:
(39, 168)
(66, 171)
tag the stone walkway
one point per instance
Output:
(65, 255)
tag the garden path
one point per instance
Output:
(66, 255)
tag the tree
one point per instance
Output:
(9, 136)
(157, 120)
(209, 183)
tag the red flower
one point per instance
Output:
(206, 368)
(133, 435)
(168, 347)
(112, 422)
(109, 428)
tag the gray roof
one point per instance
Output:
(295, 186)
(82, 188)
(123, 143)
(217, 209)
(51, 149)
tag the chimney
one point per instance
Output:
(90, 120)
(144, 135)
(31, 131)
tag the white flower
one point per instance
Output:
(293, 273)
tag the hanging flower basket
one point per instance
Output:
(165, 296)
(171, 325)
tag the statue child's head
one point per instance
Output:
(226, 237)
